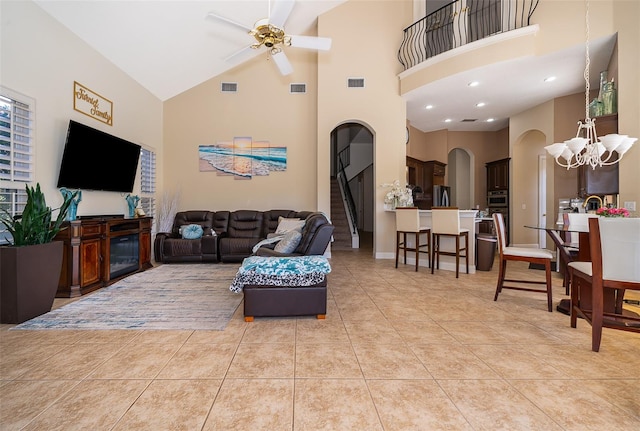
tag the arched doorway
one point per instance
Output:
(461, 178)
(352, 188)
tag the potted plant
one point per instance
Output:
(30, 265)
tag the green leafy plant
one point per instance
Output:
(35, 225)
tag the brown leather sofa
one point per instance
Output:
(236, 233)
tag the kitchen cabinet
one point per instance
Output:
(498, 175)
(425, 175)
(602, 180)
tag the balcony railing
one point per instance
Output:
(461, 22)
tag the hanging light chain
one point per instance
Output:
(587, 63)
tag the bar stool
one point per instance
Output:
(408, 222)
(445, 221)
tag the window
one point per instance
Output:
(148, 182)
(16, 137)
(16, 153)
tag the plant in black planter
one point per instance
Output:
(30, 266)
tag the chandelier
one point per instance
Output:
(586, 148)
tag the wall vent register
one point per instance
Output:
(229, 87)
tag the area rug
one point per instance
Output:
(170, 296)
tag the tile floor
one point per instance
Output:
(399, 350)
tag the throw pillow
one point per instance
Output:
(288, 224)
(289, 242)
(192, 231)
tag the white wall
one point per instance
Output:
(41, 59)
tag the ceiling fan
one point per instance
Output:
(269, 32)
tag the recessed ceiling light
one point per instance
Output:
(473, 84)
(448, 120)
(490, 120)
(428, 107)
(550, 79)
(480, 104)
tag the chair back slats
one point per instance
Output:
(445, 220)
(407, 219)
(620, 248)
(498, 222)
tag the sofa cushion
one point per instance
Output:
(191, 231)
(288, 224)
(289, 242)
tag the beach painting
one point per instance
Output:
(242, 158)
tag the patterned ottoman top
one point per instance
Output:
(285, 265)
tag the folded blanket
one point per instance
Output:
(281, 271)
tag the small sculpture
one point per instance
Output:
(132, 202)
(73, 207)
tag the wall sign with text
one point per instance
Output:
(92, 104)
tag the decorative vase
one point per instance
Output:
(73, 206)
(132, 203)
(396, 202)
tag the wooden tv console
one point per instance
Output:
(87, 242)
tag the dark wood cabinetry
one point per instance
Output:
(87, 264)
(602, 180)
(425, 175)
(498, 175)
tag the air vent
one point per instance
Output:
(355, 82)
(229, 87)
(469, 120)
(298, 88)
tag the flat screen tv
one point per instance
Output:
(95, 160)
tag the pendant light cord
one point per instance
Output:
(587, 63)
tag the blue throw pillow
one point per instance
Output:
(192, 231)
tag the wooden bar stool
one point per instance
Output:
(445, 221)
(408, 222)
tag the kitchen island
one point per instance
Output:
(448, 263)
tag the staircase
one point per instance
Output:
(341, 232)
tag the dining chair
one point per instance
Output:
(598, 286)
(445, 221)
(408, 222)
(567, 252)
(523, 254)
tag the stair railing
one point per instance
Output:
(461, 22)
(346, 194)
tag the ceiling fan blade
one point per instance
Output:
(280, 12)
(311, 42)
(241, 54)
(229, 21)
(281, 60)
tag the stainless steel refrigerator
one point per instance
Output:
(441, 196)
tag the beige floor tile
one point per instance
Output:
(199, 361)
(331, 405)
(321, 331)
(252, 404)
(270, 330)
(452, 361)
(335, 360)
(368, 331)
(233, 333)
(90, 405)
(136, 361)
(415, 405)
(623, 394)
(269, 361)
(73, 362)
(23, 400)
(495, 405)
(389, 361)
(171, 405)
(581, 409)
(18, 358)
(472, 332)
(422, 332)
(167, 337)
(515, 362)
(109, 336)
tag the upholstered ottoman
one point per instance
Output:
(283, 286)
